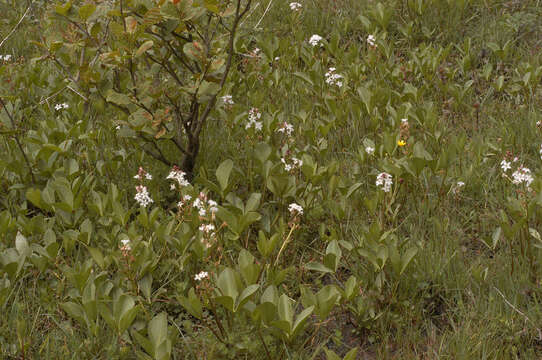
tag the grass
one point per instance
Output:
(468, 294)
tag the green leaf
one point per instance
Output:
(97, 256)
(351, 355)
(144, 47)
(330, 355)
(407, 258)
(223, 173)
(21, 244)
(34, 196)
(245, 295)
(86, 11)
(301, 320)
(106, 315)
(63, 9)
(117, 98)
(285, 310)
(127, 319)
(227, 285)
(211, 5)
(157, 329)
(75, 311)
(262, 152)
(316, 266)
(326, 298)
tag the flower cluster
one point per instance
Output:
(295, 209)
(371, 40)
(126, 245)
(142, 196)
(254, 115)
(370, 150)
(316, 40)
(385, 181)
(286, 128)
(61, 106)
(292, 165)
(522, 176)
(295, 6)
(203, 204)
(142, 174)
(227, 100)
(184, 200)
(179, 176)
(333, 79)
(202, 275)
(5, 58)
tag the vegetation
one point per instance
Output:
(204, 179)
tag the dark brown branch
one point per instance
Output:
(212, 101)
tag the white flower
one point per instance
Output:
(202, 212)
(371, 40)
(286, 128)
(506, 165)
(179, 176)
(227, 100)
(213, 206)
(333, 79)
(61, 106)
(295, 6)
(141, 173)
(385, 181)
(198, 204)
(5, 57)
(126, 246)
(187, 198)
(142, 196)
(457, 187)
(207, 229)
(540, 151)
(295, 164)
(370, 150)
(316, 40)
(295, 209)
(404, 121)
(287, 166)
(522, 175)
(117, 127)
(253, 116)
(202, 275)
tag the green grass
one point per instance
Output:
(467, 294)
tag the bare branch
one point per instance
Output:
(17, 25)
(19, 145)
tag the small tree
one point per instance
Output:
(160, 62)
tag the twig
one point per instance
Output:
(519, 312)
(75, 91)
(19, 145)
(264, 13)
(17, 25)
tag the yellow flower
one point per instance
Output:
(401, 142)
